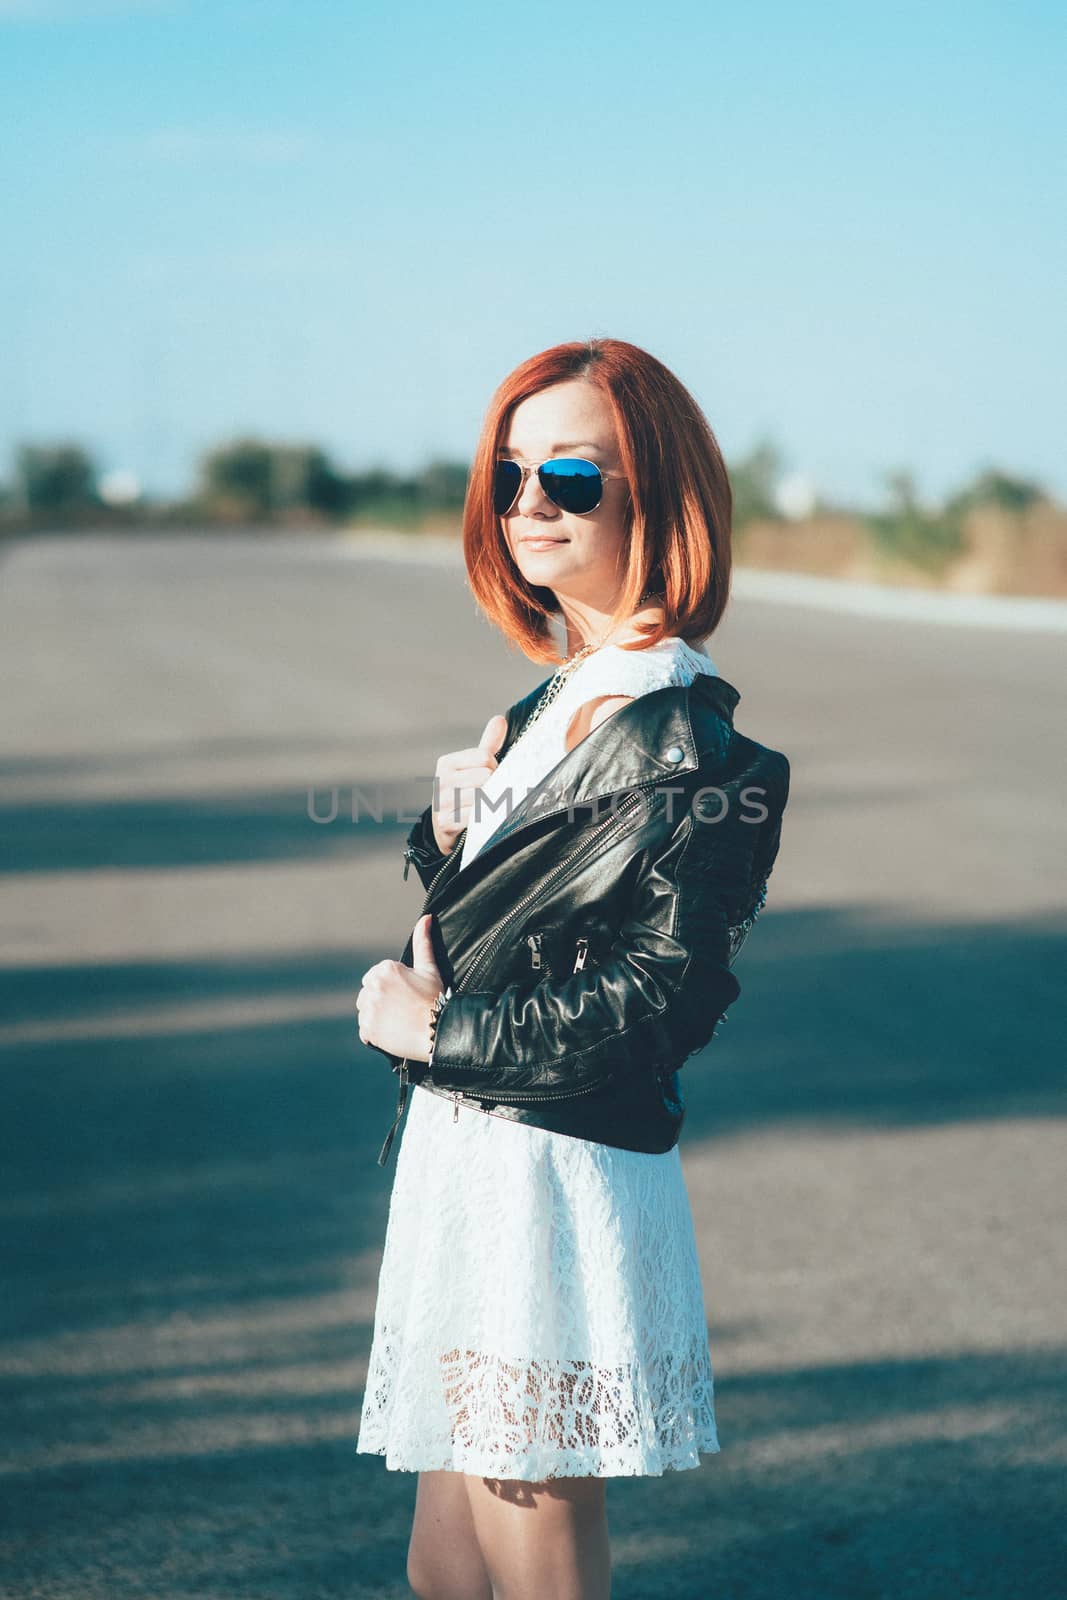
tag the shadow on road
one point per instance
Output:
(324, 819)
(191, 1224)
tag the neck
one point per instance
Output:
(589, 625)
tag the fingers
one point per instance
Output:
(493, 736)
(455, 805)
(481, 756)
(461, 773)
(455, 808)
(455, 794)
(474, 759)
(423, 958)
(392, 999)
(467, 778)
(367, 994)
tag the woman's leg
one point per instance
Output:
(444, 1561)
(541, 1539)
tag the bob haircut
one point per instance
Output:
(678, 512)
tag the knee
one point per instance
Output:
(429, 1579)
(420, 1578)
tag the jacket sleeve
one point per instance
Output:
(422, 850)
(656, 997)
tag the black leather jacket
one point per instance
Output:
(589, 944)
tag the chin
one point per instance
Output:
(543, 570)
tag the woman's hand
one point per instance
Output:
(394, 1000)
(459, 775)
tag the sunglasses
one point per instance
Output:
(569, 482)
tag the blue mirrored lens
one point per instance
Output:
(505, 485)
(573, 485)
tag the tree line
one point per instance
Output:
(253, 481)
(246, 480)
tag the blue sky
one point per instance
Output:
(843, 226)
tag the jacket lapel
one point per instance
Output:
(628, 749)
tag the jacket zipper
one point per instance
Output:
(534, 940)
(441, 870)
(489, 947)
(537, 960)
(409, 857)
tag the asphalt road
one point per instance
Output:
(191, 1213)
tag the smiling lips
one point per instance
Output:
(544, 542)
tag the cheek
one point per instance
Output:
(601, 537)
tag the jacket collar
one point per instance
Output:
(633, 746)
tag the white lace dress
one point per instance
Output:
(540, 1310)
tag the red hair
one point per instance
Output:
(678, 513)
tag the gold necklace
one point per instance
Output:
(559, 678)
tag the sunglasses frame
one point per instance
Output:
(535, 466)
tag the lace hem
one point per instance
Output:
(535, 1420)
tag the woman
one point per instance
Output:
(540, 1322)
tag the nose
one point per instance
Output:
(532, 500)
